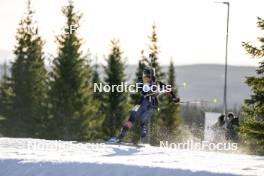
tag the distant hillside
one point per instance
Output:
(1, 70)
(206, 82)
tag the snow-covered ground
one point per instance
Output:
(34, 157)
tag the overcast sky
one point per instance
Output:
(189, 31)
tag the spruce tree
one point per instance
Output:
(156, 121)
(252, 128)
(70, 97)
(154, 52)
(28, 82)
(96, 80)
(6, 94)
(115, 103)
(169, 111)
(95, 124)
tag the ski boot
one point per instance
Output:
(113, 140)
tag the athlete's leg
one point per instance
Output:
(135, 113)
(144, 120)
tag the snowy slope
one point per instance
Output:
(34, 157)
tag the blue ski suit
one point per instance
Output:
(146, 107)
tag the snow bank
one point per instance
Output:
(35, 157)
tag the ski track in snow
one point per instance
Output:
(19, 157)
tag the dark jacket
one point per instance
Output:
(152, 96)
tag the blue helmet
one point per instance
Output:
(147, 73)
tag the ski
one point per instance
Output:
(126, 144)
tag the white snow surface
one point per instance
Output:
(36, 157)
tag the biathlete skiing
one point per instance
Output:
(147, 106)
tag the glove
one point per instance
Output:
(176, 100)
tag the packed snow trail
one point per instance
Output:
(35, 157)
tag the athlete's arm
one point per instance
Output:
(174, 97)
